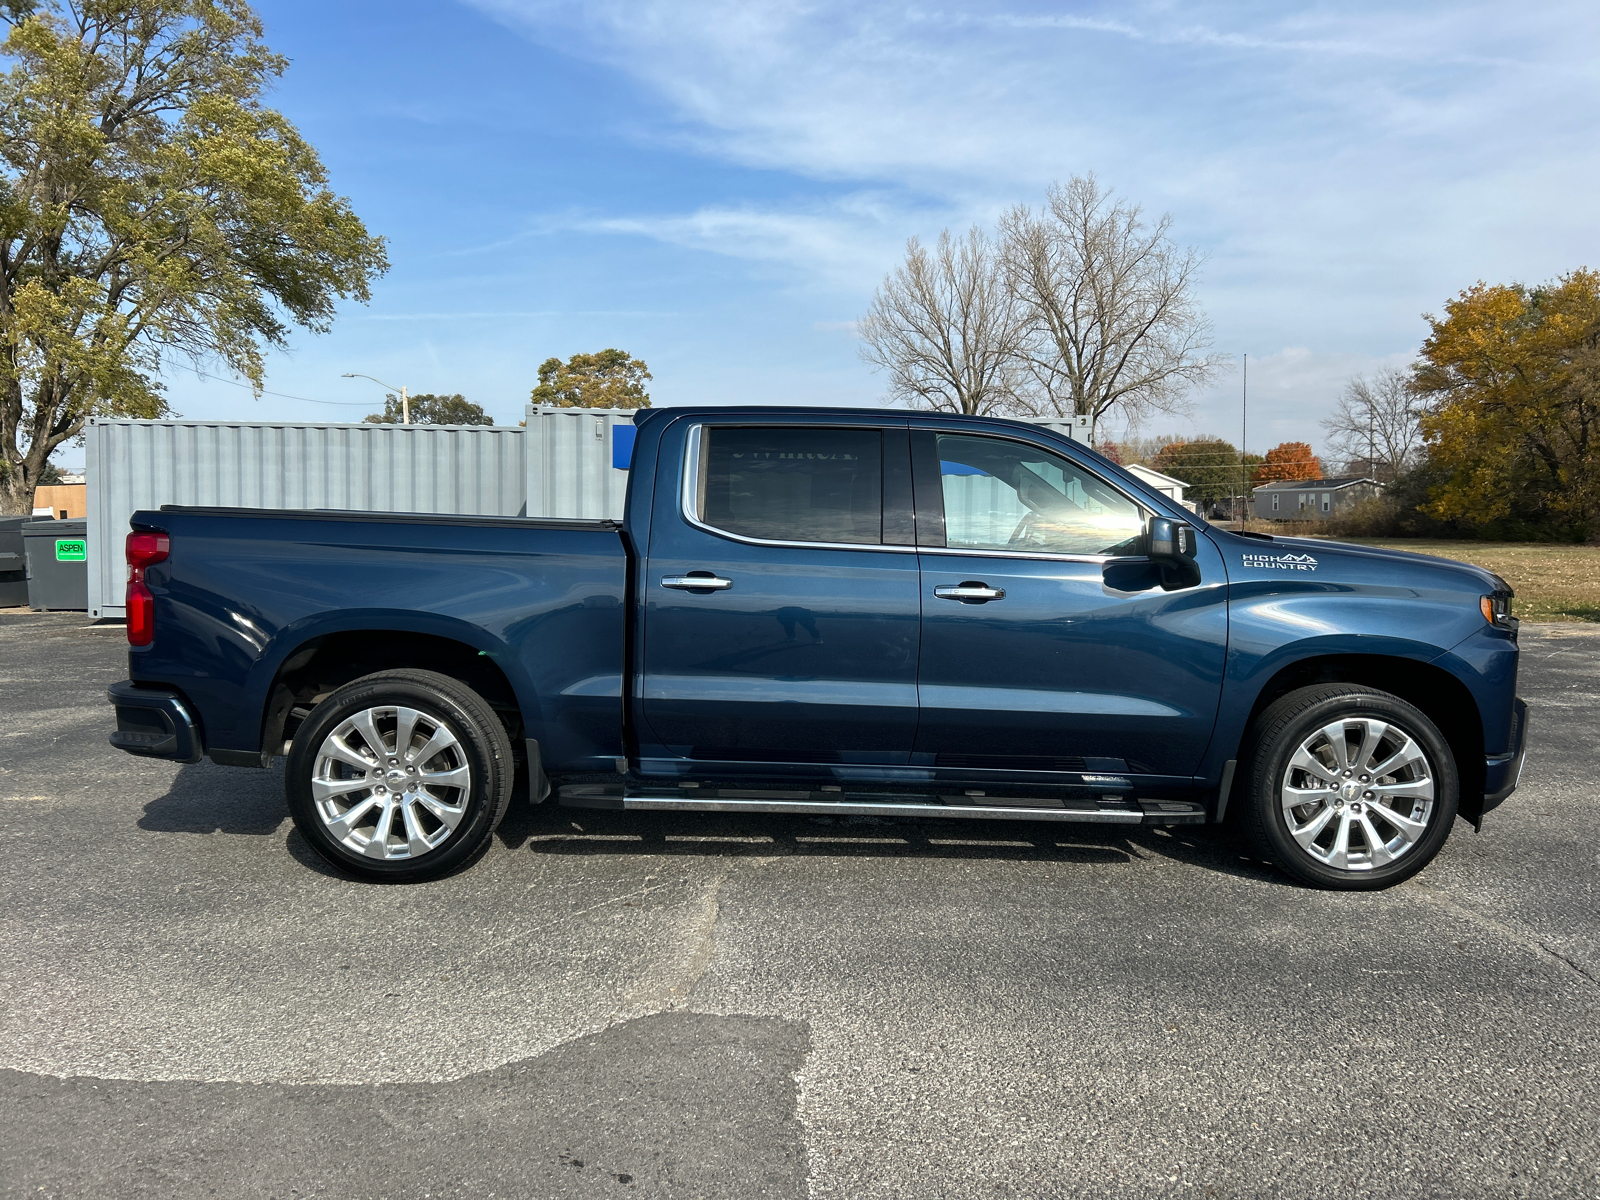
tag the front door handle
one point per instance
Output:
(970, 592)
(694, 582)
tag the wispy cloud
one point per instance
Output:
(841, 241)
(498, 316)
(1380, 44)
(1345, 167)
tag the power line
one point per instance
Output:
(269, 392)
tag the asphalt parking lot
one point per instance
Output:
(688, 1005)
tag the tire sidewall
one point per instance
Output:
(468, 839)
(1272, 762)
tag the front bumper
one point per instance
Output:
(1503, 772)
(154, 723)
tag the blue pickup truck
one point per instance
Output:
(834, 611)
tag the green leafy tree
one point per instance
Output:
(1210, 466)
(609, 379)
(428, 409)
(150, 205)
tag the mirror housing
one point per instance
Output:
(1172, 548)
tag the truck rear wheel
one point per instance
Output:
(400, 776)
(1348, 787)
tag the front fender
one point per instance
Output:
(1277, 624)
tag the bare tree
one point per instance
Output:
(943, 325)
(1376, 425)
(1107, 306)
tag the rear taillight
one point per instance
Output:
(141, 615)
(144, 548)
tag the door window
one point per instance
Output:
(795, 484)
(1004, 495)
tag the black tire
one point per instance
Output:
(1285, 727)
(480, 747)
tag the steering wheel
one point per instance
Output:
(1023, 531)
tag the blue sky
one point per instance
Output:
(718, 188)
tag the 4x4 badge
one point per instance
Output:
(1281, 562)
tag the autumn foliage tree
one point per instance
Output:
(606, 379)
(1286, 462)
(1511, 379)
(150, 205)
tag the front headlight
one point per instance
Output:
(1496, 610)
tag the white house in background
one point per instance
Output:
(1165, 484)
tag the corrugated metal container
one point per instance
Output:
(1076, 428)
(578, 461)
(132, 465)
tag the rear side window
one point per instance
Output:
(795, 484)
(1004, 495)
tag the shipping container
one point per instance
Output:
(133, 465)
(578, 461)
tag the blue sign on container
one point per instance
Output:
(622, 446)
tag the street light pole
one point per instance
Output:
(405, 400)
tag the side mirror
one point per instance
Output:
(1172, 548)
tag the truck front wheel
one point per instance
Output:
(400, 776)
(1348, 787)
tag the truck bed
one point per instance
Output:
(532, 607)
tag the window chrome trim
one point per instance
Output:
(689, 496)
(1028, 554)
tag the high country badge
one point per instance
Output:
(1281, 562)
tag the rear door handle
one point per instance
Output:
(970, 592)
(708, 581)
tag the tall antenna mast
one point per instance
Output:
(1244, 434)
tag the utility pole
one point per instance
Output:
(1244, 435)
(405, 399)
(1372, 442)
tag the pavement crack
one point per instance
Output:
(1539, 948)
(1576, 966)
(671, 987)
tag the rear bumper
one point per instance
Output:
(154, 723)
(1503, 772)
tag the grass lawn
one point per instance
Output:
(1552, 582)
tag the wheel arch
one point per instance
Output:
(1443, 698)
(321, 663)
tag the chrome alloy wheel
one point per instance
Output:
(1358, 794)
(391, 782)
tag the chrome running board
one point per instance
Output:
(1107, 810)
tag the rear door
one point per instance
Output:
(1047, 641)
(781, 611)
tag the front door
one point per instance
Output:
(1047, 641)
(780, 598)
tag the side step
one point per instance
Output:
(1106, 810)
